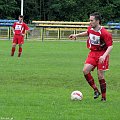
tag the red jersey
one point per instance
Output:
(98, 40)
(19, 28)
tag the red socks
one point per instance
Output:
(20, 51)
(102, 82)
(91, 82)
(103, 87)
(12, 51)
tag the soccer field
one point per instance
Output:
(38, 85)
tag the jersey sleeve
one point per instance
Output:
(107, 38)
(26, 27)
(13, 26)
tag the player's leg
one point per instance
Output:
(20, 42)
(102, 67)
(86, 70)
(20, 50)
(102, 84)
(14, 43)
(13, 49)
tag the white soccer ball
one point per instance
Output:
(76, 95)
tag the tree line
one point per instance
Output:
(60, 10)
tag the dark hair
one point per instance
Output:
(21, 16)
(97, 16)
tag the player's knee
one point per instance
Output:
(20, 45)
(100, 77)
(85, 71)
(13, 45)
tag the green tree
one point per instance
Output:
(61, 10)
(8, 8)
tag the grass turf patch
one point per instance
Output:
(38, 85)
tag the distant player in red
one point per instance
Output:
(19, 30)
(100, 44)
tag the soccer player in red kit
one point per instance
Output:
(100, 44)
(19, 30)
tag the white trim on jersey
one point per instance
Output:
(98, 30)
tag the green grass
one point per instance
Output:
(38, 85)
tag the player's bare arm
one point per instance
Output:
(26, 31)
(102, 58)
(13, 31)
(74, 36)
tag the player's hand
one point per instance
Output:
(23, 35)
(72, 37)
(101, 59)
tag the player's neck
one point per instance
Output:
(97, 28)
(20, 21)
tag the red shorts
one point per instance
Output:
(18, 39)
(93, 59)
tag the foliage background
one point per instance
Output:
(61, 10)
